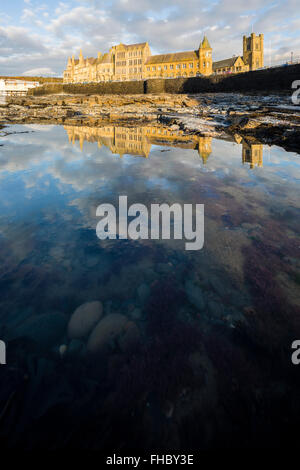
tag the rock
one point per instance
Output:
(76, 347)
(46, 329)
(130, 338)
(164, 268)
(194, 295)
(84, 318)
(143, 293)
(62, 349)
(107, 331)
(216, 309)
(136, 314)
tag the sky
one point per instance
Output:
(37, 37)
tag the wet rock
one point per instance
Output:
(131, 337)
(164, 268)
(136, 314)
(46, 329)
(62, 349)
(143, 293)
(194, 295)
(76, 347)
(215, 309)
(106, 333)
(83, 320)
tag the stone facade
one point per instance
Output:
(252, 59)
(135, 62)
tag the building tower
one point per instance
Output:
(205, 57)
(253, 51)
(252, 154)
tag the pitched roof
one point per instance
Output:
(138, 44)
(225, 63)
(205, 43)
(91, 60)
(105, 59)
(175, 57)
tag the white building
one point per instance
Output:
(10, 85)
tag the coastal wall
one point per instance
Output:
(267, 80)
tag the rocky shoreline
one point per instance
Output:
(271, 119)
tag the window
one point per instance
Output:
(178, 66)
(165, 67)
(184, 66)
(148, 69)
(191, 66)
(153, 68)
(171, 67)
(159, 67)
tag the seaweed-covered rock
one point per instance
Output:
(143, 292)
(46, 329)
(83, 320)
(131, 337)
(76, 347)
(194, 294)
(107, 332)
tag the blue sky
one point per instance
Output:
(36, 37)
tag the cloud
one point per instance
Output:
(44, 35)
(39, 72)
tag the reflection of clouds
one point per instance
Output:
(52, 190)
(47, 152)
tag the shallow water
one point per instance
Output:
(207, 359)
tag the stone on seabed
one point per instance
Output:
(45, 329)
(194, 295)
(106, 332)
(83, 320)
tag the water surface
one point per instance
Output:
(204, 359)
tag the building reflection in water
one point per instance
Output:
(137, 141)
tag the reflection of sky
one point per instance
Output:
(39, 163)
(50, 190)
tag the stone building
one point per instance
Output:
(252, 59)
(135, 62)
(181, 64)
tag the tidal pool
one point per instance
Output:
(194, 347)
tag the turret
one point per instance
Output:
(81, 59)
(253, 51)
(205, 57)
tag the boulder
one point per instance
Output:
(107, 332)
(46, 329)
(194, 294)
(84, 318)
